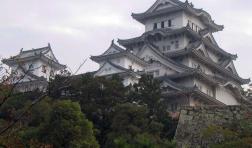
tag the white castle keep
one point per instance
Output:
(179, 49)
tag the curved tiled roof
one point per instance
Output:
(120, 54)
(168, 32)
(141, 17)
(182, 90)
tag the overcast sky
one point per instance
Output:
(77, 29)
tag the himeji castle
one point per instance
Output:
(32, 69)
(178, 48)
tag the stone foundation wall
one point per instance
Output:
(193, 120)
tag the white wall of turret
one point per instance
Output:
(226, 96)
(36, 67)
(175, 18)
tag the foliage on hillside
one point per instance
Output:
(115, 116)
(236, 135)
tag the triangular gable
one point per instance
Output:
(202, 50)
(113, 49)
(230, 67)
(210, 38)
(168, 87)
(161, 4)
(109, 68)
(147, 53)
(49, 54)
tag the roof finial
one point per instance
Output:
(113, 41)
(21, 50)
(191, 4)
(49, 45)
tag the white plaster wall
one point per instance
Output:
(226, 96)
(159, 70)
(126, 63)
(177, 21)
(172, 42)
(188, 82)
(205, 88)
(205, 69)
(129, 81)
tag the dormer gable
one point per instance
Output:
(230, 67)
(160, 5)
(113, 49)
(109, 68)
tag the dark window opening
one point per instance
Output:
(162, 24)
(169, 23)
(177, 45)
(155, 26)
(168, 47)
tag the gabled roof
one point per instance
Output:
(175, 6)
(124, 53)
(112, 47)
(161, 55)
(39, 53)
(120, 68)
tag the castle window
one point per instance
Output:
(44, 68)
(177, 44)
(162, 25)
(31, 67)
(157, 73)
(168, 47)
(209, 92)
(174, 107)
(169, 23)
(164, 49)
(155, 26)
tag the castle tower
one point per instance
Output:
(32, 69)
(179, 48)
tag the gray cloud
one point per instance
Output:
(77, 29)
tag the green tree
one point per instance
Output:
(148, 92)
(67, 127)
(131, 128)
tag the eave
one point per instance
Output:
(197, 74)
(220, 69)
(17, 61)
(124, 70)
(194, 92)
(118, 55)
(168, 32)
